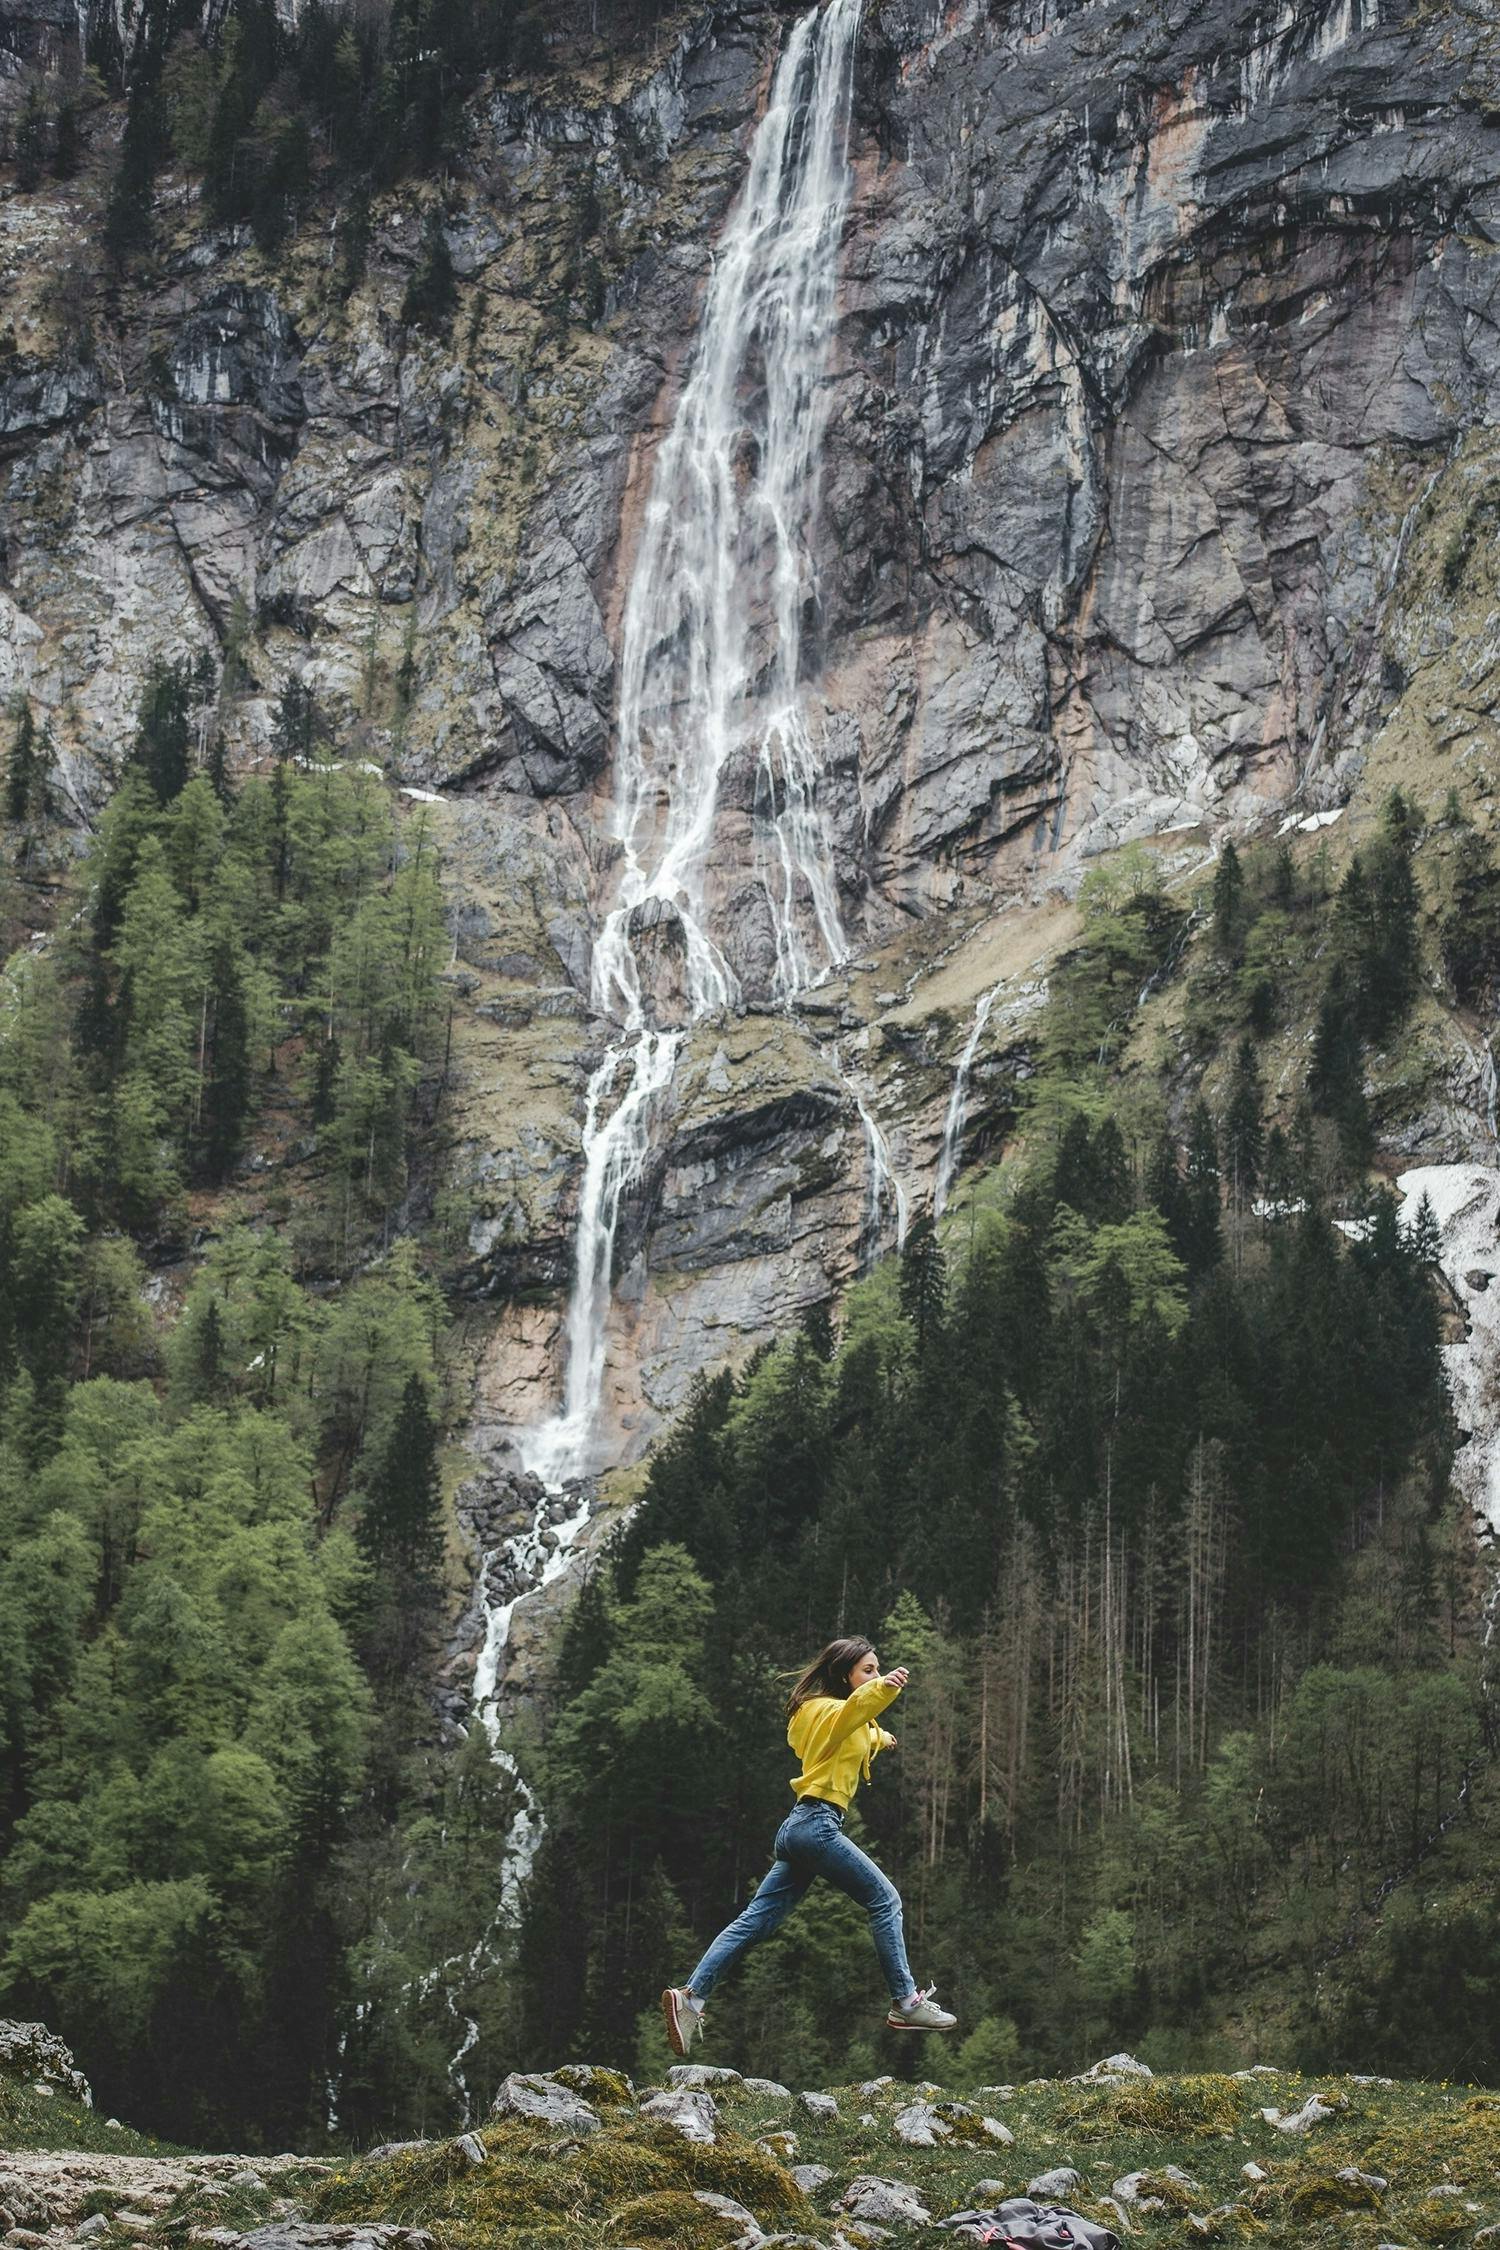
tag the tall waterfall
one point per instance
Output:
(958, 1105)
(710, 673)
(710, 669)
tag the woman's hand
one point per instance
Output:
(898, 1678)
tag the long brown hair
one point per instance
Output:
(828, 1673)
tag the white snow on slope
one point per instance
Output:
(1465, 1200)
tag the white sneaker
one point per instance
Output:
(921, 2014)
(684, 2017)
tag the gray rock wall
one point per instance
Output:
(1156, 321)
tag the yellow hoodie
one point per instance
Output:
(836, 1737)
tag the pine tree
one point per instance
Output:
(401, 1527)
(1336, 1076)
(356, 229)
(1392, 968)
(1228, 902)
(163, 735)
(208, 1339)
(67, 145)
(1244, 1126)
(924, 1284)
(432, 292)
(25, 771)
(1426, 1236)
(1205, 1240)
(30, 145)
(216, 766)
(226, 1096)
(1469, 933)
(128, 225)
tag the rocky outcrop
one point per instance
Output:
(1156, 413)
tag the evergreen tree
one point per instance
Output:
(1244, 1126)
(1228, 902)
(30, 143)
(128, 224)
(356, 230)
(924, 1285)
(1336, 1076)
(1204, 1237)
(163, 734)
(226, 1095)
(1469, 931)
(67, 144)
(401, 1525)
(432, 292)
(25, 773)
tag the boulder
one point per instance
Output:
(370, 2234)
(30, 2050)
(543, 2100)
(702, 2074)
(823, 2107)
(810, 2177)
(884, 2202)
(1110, 2071)
(688, 2109)
(725, 2207)
(769, 2089)
(1314, 2111)
(1050, 2187)
(919, 2126)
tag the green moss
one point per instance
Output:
(1192, 2108)
(535, 2178)
(608, 2088)
(1437, 2218)
(1322, 2194)
(674, 2221)
(1158, 2188)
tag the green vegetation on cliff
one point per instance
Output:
(220, 1510)
(1142, 1466)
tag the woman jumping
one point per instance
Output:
(831, 1726)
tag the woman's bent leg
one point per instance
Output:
(852, 1871)
(766, 1912)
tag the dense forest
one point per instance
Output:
(220, 1512)
(1141, 1466)
(1140, 1462)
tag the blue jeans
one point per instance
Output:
(810, 1842)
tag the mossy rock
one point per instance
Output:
(965, 2126)
(1204, 2107)
(1231, 2222)
(1437, 2218)
(1157, 2187)
(674, 2221)
(1192, 2108)
(609, 2088)
(1322, 2194)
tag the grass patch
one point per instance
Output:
(633, 2181)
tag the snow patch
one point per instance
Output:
(1308, 824)
(1465, 1201)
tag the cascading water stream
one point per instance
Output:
(958, 1104)
(711, 661)
(710, 673)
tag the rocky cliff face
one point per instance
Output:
(1165, 339)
